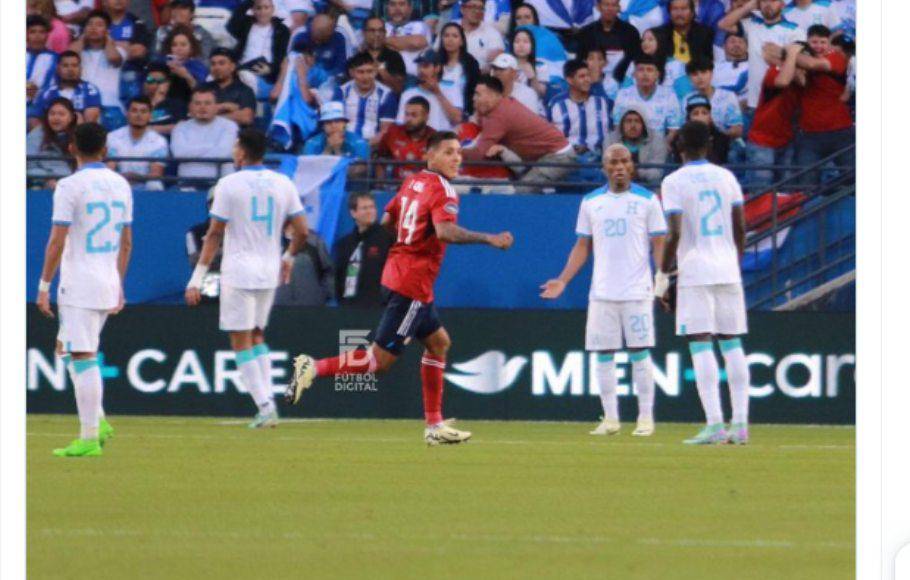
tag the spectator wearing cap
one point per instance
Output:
(512, 132)
(505, 68)
(459, 68)
(485, 42)
(136, 139)
(235, 100)
(446, 109)
(40, 63)
(618, 39)
(699, 108)
(407, 141)
(390, 66)
(683, 38)
(725, 109)
(58, 38)
(68, 83)
(407, 36)
(166, 111)
(262, 39)
(204, 135)
(328, 45)
(582, 117)
(646, 148)
(102, 60)
(370, 104)
(181, 14)
(732, 71)
(659, 103)
(333, 137)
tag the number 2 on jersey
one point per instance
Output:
(714, 197)
(104, 209)
(408, 221)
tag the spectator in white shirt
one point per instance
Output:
(205, 135)
(805, 13)
(505, 68)
(484, 40)
(409, 37)
(138, 140)
(262, 40)
(659, 105)
(74, 12)
(446, 106)
(101, 62)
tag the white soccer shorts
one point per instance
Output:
(243, 309)
(714, 309)
(80, 328)
(610, 321)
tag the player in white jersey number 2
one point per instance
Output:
(624, 223)
(250, 211)
(704, 205)
(90, 241)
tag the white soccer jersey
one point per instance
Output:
(255, 203)
(95, 203)
(704, 194)
(411, 28)
(662, 109)
(586, 124)
(757, 34)
(367, 113)
(620, 226)
(818, 12)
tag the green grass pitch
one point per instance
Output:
(209, 499)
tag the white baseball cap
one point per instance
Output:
(505, 61)
(332, 111)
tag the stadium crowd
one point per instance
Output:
(548, 81)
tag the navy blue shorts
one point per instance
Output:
(405, 318)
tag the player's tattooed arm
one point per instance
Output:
(451, 233)
(739, 228)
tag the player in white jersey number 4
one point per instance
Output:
(707, 234)
(250, 211)
(90, 241)
(624, 223)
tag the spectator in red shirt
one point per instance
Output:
(408, 142)
(771, 136)
(826, 125)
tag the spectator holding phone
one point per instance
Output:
(182, 52)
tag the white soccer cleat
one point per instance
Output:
(444, 434)
(644, 428)
(606, 427)
(304, 374)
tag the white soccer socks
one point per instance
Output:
(737, 378)
(251, 371)
(643, 379)
(707, 379)
(88, 386)
(606, 382)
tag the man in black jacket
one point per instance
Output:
(360, 255)
(617, 38)
(683, 38)
(261, 25)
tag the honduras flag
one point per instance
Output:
(294, 120)
(321, 181)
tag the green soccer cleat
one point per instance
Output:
(710, 435)
(105, 431)
(264, 420)
(80, 448)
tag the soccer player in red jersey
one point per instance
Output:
(422, 217)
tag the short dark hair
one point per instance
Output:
(160, 67)
(99, 14)
(360, 59)
(69, 54)
(699, 64)
(210, 89)
(141, 99)
(648, 59)
(225, 52)
(438, 137)
(584, 53)
(356, 196)
(818, 30)
(492, 83)
(573, 66)
(37, 20)
(420, 101)
(694, 138)
(90, 139)
(188, 4)
(253, 142)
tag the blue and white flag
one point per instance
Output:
(759, 258)
(321, 181)
(547, 46)
(292, 112)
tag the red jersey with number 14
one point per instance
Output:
(425, 199)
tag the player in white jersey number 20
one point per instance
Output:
(250, 211)
(704, 205)
(624, 223)
(90, 241)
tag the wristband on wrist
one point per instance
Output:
(44, 286)
(288, 257)
(198, 274)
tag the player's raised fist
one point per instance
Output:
(552, 289)
(503, 240)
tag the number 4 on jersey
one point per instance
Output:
(408, 221)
